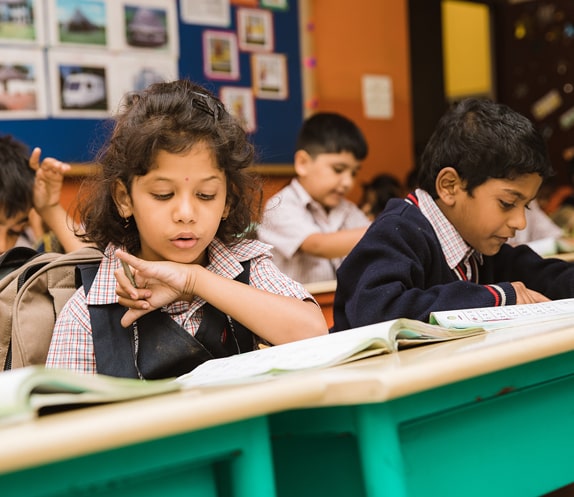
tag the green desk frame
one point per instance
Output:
(508, 433)
(218, 461)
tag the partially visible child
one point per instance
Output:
(444, 247)
(309, 223)
(26, 184)
(175, 192)
(377, 192)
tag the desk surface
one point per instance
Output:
(379, 379)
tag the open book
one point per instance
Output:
(321, 352)
(503, 316)
(26, 392)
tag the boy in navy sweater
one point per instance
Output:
(444, 246)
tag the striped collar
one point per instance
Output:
(456, 250)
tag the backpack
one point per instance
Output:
(32, 294)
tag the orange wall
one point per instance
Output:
(366, 37)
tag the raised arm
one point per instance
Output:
(47, 190)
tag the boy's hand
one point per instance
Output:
(525, 295)
(49, 180)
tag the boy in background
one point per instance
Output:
(309, 223)
(26, 184)
(444, 247)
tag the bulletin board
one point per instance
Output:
(276, 112)
(535, 70)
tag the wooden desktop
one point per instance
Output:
(486, 415)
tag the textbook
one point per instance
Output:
(321, 352)
(504, 316)
(33, 390)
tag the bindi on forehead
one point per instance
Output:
(186, 178)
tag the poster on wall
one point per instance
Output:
(22, 22)
(269, 75)
(255, 30)
(129, 74)
(205, 12)
(79, 23)
(144, 26)
(239, 102)
(22, 84)
(79, 84)
(220, 55)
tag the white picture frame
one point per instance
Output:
(148, 26)
(80, 84)
(220, 55)
(269, 76)
(255, 30)
(22, 84)
(23, 23)
(240, 103)
(79, 23)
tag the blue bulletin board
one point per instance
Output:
(277, 120)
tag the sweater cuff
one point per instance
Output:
(503, 294)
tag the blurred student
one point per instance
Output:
(310, 224)
(445, 246)
(377, 192)
(29, 187)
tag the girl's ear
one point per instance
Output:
(302, 162)
(448, 185)
(122, 199)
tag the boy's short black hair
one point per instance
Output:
(16, 177)
(331, 133)
(482, 139)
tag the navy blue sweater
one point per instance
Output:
(398, 270)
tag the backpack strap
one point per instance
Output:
(157, 346)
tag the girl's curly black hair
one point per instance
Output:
(172, 117)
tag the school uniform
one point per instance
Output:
(291, 215)
(72, 345)
(413, 261)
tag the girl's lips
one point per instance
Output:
(184, 242)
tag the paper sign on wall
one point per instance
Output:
(377, 97)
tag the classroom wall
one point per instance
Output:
(373, 39)
(347, 43)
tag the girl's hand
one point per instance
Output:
(158, 283)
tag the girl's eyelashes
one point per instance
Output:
(162, 196)
(205, 196)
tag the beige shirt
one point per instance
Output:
(291, 216)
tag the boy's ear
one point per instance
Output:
(302, 162)
(122, 199)
(448, 184)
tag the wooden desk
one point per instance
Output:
(483, 416)
(189, 443)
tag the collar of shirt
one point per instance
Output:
(455, 249)
(330, 220)
(223, 260)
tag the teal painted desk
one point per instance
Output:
(196, 444)
(484, 416)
